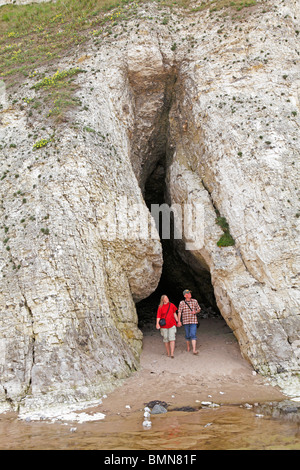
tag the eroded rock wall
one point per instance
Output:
(68, 319)
(22, 2)
(222, 105)
(236, 128)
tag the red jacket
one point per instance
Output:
(162, 313)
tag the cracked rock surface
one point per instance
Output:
(219, 113)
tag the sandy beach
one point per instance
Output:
(218, 373)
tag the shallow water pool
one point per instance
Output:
(230, 427)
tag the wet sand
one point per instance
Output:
(217, 374)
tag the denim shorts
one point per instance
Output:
(190, 331)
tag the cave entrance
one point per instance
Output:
(152, 151)
(177, 274)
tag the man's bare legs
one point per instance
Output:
(194, 344)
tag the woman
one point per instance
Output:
(167, 310)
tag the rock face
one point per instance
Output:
(20, 2)
(210, 102)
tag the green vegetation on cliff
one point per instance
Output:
(39, 34)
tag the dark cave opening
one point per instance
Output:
(177, 274)
(153, 147)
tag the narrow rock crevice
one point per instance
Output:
(153, 149)
(31, 353)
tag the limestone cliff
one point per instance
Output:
(211, 98)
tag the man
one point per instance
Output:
(188, 310)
